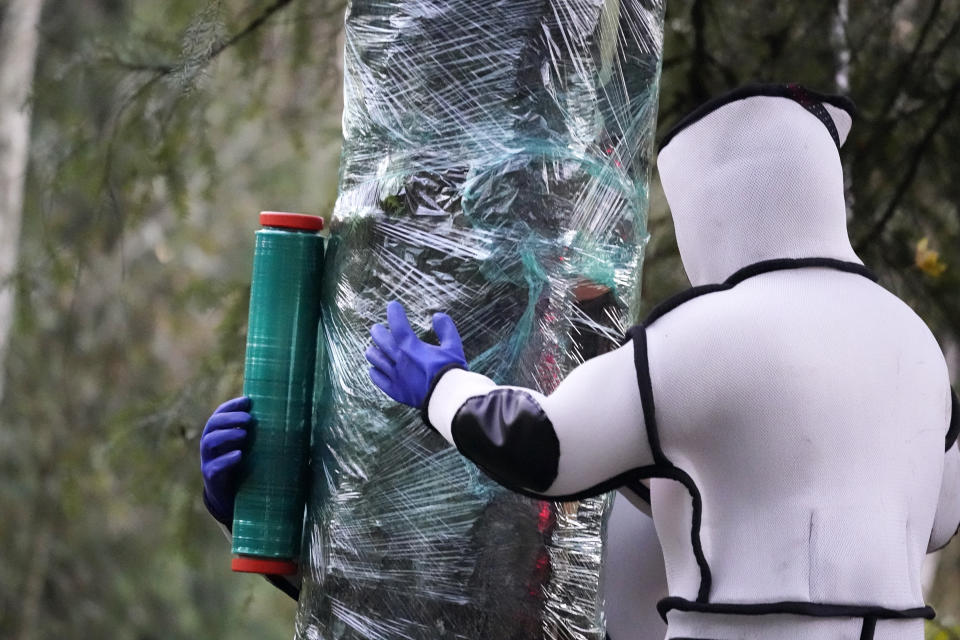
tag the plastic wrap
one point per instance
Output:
(495, 166)
(279, 379)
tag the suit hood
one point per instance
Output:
(755, 175)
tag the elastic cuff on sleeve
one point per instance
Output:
(433, 385)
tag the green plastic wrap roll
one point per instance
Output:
(278, 378)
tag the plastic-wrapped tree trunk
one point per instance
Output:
(495, 166)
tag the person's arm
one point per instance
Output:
(947, 520)
(585, 438)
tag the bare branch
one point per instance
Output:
(916, 158)
(129, 65)
(251, 27)
(905, 68)
(698, 89)
(162, 70)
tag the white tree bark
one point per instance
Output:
(841, 51)
(18, 53)
(841, 46)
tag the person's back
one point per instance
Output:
(813, 425)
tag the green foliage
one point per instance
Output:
(937, 631)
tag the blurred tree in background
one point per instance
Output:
(161, 129)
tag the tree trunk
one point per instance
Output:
(841, 46)
(18, 53)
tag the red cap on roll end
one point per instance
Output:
(268, 566)
(298, 221)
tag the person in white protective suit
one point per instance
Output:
(790, 414)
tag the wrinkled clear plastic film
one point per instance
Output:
(495, 166)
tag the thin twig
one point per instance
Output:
(160, 71)
(163, 70)
(904, 71)
(698, 20)
(917, 157)
(128, 65)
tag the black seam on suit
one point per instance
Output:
(641, 363)
(954, 430)
(814, 609)
(751, 270)
(749, 91)
(638, 334)
(665, 468)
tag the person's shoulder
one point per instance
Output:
(702, 310)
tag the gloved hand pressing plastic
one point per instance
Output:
(223, 436)
(404, 366)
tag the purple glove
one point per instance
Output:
(220, 444)
(404, 366)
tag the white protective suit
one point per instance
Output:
(632, 578)
(790, 414)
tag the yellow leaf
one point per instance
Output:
(928, 260)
